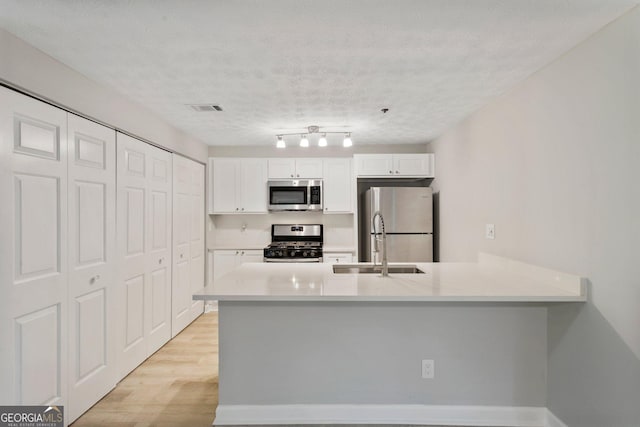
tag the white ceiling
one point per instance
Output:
(281, 65)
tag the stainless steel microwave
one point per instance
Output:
(295, 195)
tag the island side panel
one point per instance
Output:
(274, 353)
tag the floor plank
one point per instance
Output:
(176, 386)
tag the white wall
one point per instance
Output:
(554, 164)
(30, 69)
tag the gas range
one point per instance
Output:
(294, 243)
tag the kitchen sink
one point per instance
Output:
(377, 269)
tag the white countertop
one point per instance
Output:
(491, 279)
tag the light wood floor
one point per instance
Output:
(177, 386)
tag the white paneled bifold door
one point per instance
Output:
(57, 256)
(188, 241)
(92, 273)
(33, 252)
(143, 292)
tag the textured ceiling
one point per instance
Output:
(281, 65)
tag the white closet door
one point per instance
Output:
(33, 251)
(92, 278)
(133, 224)
(197, 238)
(158, 301)
(144, 243)
(188, 241)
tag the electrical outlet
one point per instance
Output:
(490, 231)
(428, 369)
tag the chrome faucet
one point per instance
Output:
(385, 265)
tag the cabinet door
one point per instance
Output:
(224, 261)
(33, 266)
(282, 168)
(413, 165)
(309, 168)
(253, 186)
(374, 164)
(337, 258)
(225, 176)
(92, 279)
(251, 255)
(338, 186)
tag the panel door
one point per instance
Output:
(225, 177)
(224, 261)
(338, 186)
(282, 168)
(413, 164)
(33, 251)
(158, 259)
(309, 168)
(253, 185)
(197, 238)
(188, 241)
(92, 279)
(374, 164)
(133, 227)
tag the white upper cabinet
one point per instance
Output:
(395, 165)
(295, 168)
(338, 186)
(238, 185)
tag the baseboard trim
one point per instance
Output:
(553, 421)
(443, 415)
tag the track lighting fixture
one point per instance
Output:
(347, 140)
(322, 140)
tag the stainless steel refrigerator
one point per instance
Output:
(408, 220)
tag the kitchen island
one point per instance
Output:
(302, 344)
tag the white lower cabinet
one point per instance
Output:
(337, 257)
(226, 260)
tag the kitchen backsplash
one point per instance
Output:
(254, 231)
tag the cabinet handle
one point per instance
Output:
(242, 253)
(243, 209)
(390, 171)
(291, 175)
(181, 255)
(237, 252)
(337, 259)
(397, 172)
(160, 261)
(298, 175)
(237, 208)
(94, 279)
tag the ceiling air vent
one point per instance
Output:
(201, 108)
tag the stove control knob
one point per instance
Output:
(312, 254)
(305, 253)
(292, 253)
